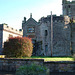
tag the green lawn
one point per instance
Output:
(52, 58)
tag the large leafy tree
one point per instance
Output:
(18, 47)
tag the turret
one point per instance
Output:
(23, 22)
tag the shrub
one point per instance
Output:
(18, 47)
(31, 69)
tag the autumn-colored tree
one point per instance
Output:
(18, 47)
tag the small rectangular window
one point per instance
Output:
(46, 48)
(10, 35)
(69, 6)
(31, 29)
(46, 33)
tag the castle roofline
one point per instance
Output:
(10, 29)
(31, 21)
(69, 2)
(55, 18)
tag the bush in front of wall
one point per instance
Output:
(18, 47)
(32, 69)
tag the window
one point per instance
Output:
(46, 48)
(46, 33)
(33, 41)
(10, 35)
(69, 6)
(31, 30)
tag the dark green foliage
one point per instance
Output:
(31, 69)
(18, 47)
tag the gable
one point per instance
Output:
(31, 22)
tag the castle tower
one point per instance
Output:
(69, 8)
(64, 1)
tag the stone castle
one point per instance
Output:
(63, 41)
(40, 32)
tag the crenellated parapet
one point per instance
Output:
(68, 1)
(56, 19)
(10, 29)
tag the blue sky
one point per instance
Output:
(12, 12)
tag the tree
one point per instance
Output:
(18, 47)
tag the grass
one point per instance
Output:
(2, 56)
(51, 58)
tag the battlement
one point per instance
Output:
(55, 19)
(70, 2)
(12, 30)
(58, 21)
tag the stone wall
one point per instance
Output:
(61, 36)
(61, 39)
(73, 37)
(45, 39)
(58, 66)
(60, 43)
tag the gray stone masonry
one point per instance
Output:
(69, 8)
(73, 37)
(54, 66)
(61, 36)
